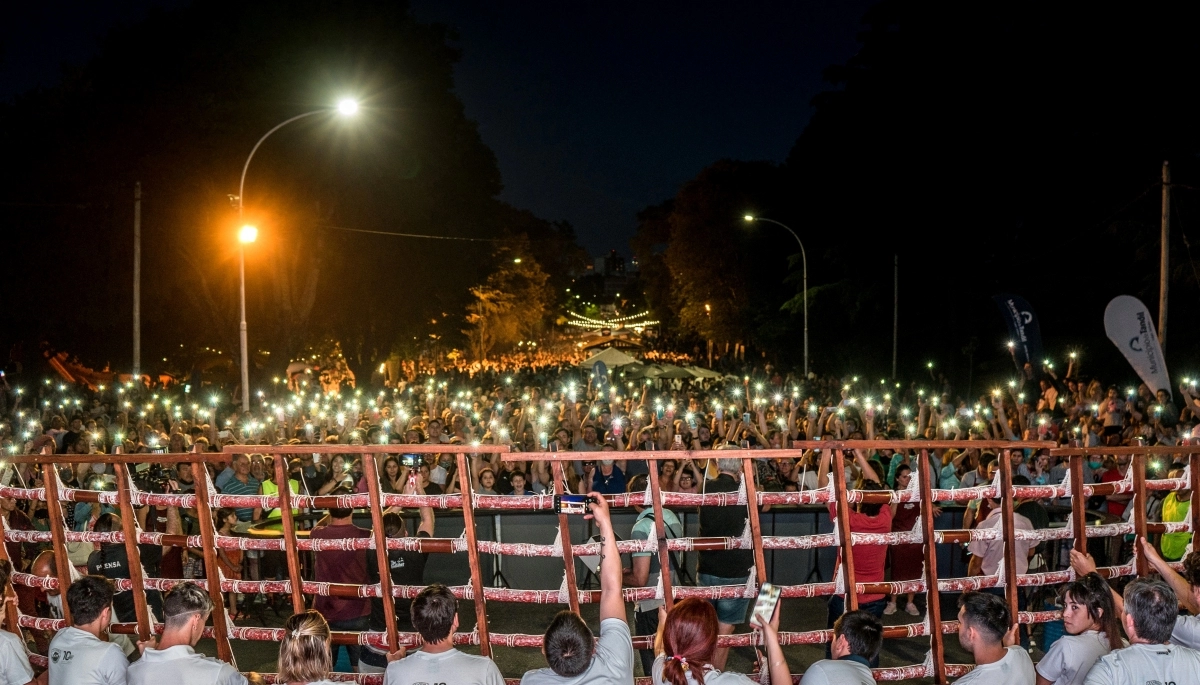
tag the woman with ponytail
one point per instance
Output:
(1093, 624)
(687, 637)
(304, 652)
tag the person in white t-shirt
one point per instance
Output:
(78, 656)
(1093, 627)
(14, 660)
(435, 616)
(186, 609)
(987, 631)
(574, 656)
(1150, 609)
(857, 638)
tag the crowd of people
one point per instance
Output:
(555, 405)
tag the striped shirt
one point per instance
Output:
(236, 487)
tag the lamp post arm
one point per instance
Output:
(246, 167)
(803, 256)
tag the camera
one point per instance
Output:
(410, 460)
(151, 478)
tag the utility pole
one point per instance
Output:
(895, 310)
(137, 282)
(1164, 266)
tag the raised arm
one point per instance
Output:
(612, 604)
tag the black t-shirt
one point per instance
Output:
(724, 522)
(110, 561)
(408, 568)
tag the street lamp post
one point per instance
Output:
(249, 234)
(750, 218)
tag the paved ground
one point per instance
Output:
(798, 614)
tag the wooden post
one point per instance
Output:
(933, 598)
(564, 531)
(468, 508)
(208, 537)
(1194, 484)
(1006, 512)
(57, 533)
(371, 472)
(1139, 509)
(760, 564)
(660, 527)
(843, 521)
(1078, 503)
(284, 487)
(8, 593)
(133, 555)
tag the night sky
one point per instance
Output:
(594, 112)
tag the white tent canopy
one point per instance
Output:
(611, 357)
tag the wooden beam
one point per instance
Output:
(57, 529)
(660, 528)
(838, 466)
(1138, 464)
(1007, 524)
(1078, 502)
(760, 565)
(564, 532)
(464, 485)
(208, 536)
(284, 487)
(133, 555)
(933, 598)
(371, 474)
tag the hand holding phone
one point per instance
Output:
(573, 504)
(764, 607)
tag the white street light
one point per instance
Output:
(750, 218)
(248, 234)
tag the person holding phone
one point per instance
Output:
(687, 642)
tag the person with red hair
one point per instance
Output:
(687, 639)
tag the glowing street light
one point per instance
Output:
(248, 234)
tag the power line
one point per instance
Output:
(419, 235)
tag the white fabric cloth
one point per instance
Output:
(837, 672)
(14, 662)
(79, 658)
(711, 675)
(611, 663)
(449, 666)
(1072, 656)
(1186, 632)
(1143, 664)
(1016, 668)
(181, 665)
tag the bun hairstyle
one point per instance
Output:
(1092, 591)
(689, 639)
(304, 651)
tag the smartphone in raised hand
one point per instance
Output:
(768, 598)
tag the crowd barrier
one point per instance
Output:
(205, 499)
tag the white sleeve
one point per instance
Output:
(616, 646)
(14, 663)
(1101, 674)
(1186, 632)
(1051, 665)
(231, 676)
(113, 668)
(493, 676)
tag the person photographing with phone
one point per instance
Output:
(571, 651)
(687, 641)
